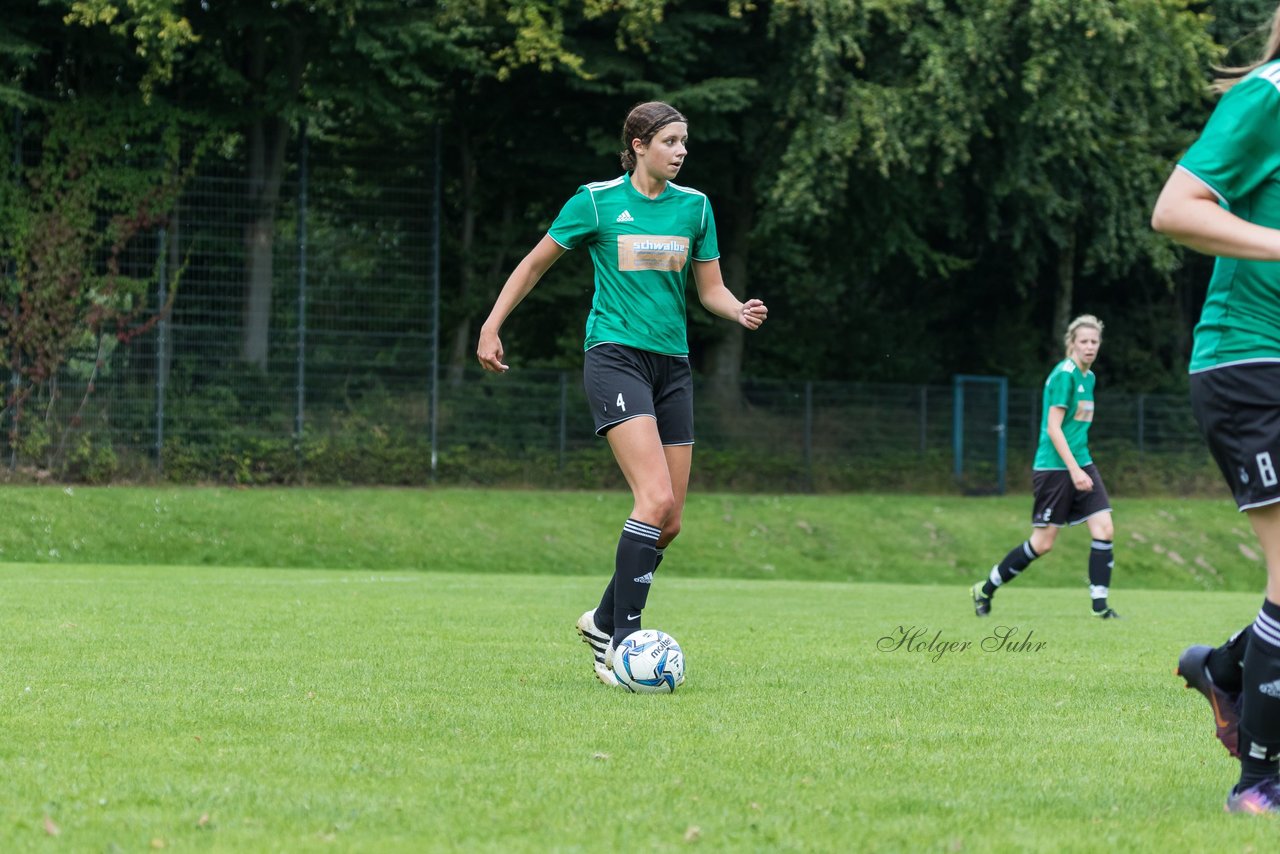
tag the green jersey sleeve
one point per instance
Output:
(1237, 150)
(1059, 390)
(577, 221)
(705, 245)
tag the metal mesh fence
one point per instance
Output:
(345, 389)
(337, 277)
(801, 436)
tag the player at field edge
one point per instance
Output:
(1068, 488)
(644, 233)
(1223, 199)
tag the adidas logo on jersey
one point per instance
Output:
(625, 216)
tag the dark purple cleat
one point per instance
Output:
(1225, 704)
(1256, 800)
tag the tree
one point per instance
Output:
(523, 102)
(970, 151)
(67, 222)
(1086, 135)
(93, 168)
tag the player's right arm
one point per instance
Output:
(1189, 212)
(1053, 425)
(519, 284)
(1235, 155)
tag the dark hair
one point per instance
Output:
(1231, 75)
(642, 123)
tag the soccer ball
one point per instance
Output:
(649, 662)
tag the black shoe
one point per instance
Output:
(1225, 704)
(1106, 614)
(981, 604)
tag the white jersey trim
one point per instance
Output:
(705, 201)
(1256, 504)
(1212, 189)
(684, 356)
(1261, 360)
(604, 185)
(597, 186)
(1272, 76)
(1090, 516)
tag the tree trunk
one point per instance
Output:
(463, 344)
(466, 263)
(259, 242)
(173, 260)
(267, 136)
(722, 361)
(1066, 287)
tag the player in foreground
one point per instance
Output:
(1223, 199)
(1068, 488)
(644, 233)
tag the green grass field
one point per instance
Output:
(297, 697)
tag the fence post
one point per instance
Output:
(564, 403)
(15, 380)
(808, 433)
(434, 393)
(1142, 425)
(1035, 401)
(300, 415)
(924, 419)
(957, 427)
(162, 342)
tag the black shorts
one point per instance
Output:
(1238, 410)
(623, 383)
(1058, 503)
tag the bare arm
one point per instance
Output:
(519, 283)
(1079, 477)
(1188, 212)
(720, 301)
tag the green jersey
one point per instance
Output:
(1071, 389)
(1238, 157)
(641, 249)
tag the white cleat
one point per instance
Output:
(601, 648)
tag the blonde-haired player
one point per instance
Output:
(1068, 487)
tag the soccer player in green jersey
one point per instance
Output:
(644, 234)
(1223, 199)
(1068, 487)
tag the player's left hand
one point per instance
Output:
(753, 313)
(1081, 480)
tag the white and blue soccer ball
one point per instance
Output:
(649, 662)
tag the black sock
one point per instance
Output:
(1101, 561)
(604, 611)
(1260, 700)
(1226, 662)
(633, 575)
(1006, 570)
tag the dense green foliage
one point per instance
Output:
(917, 187)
